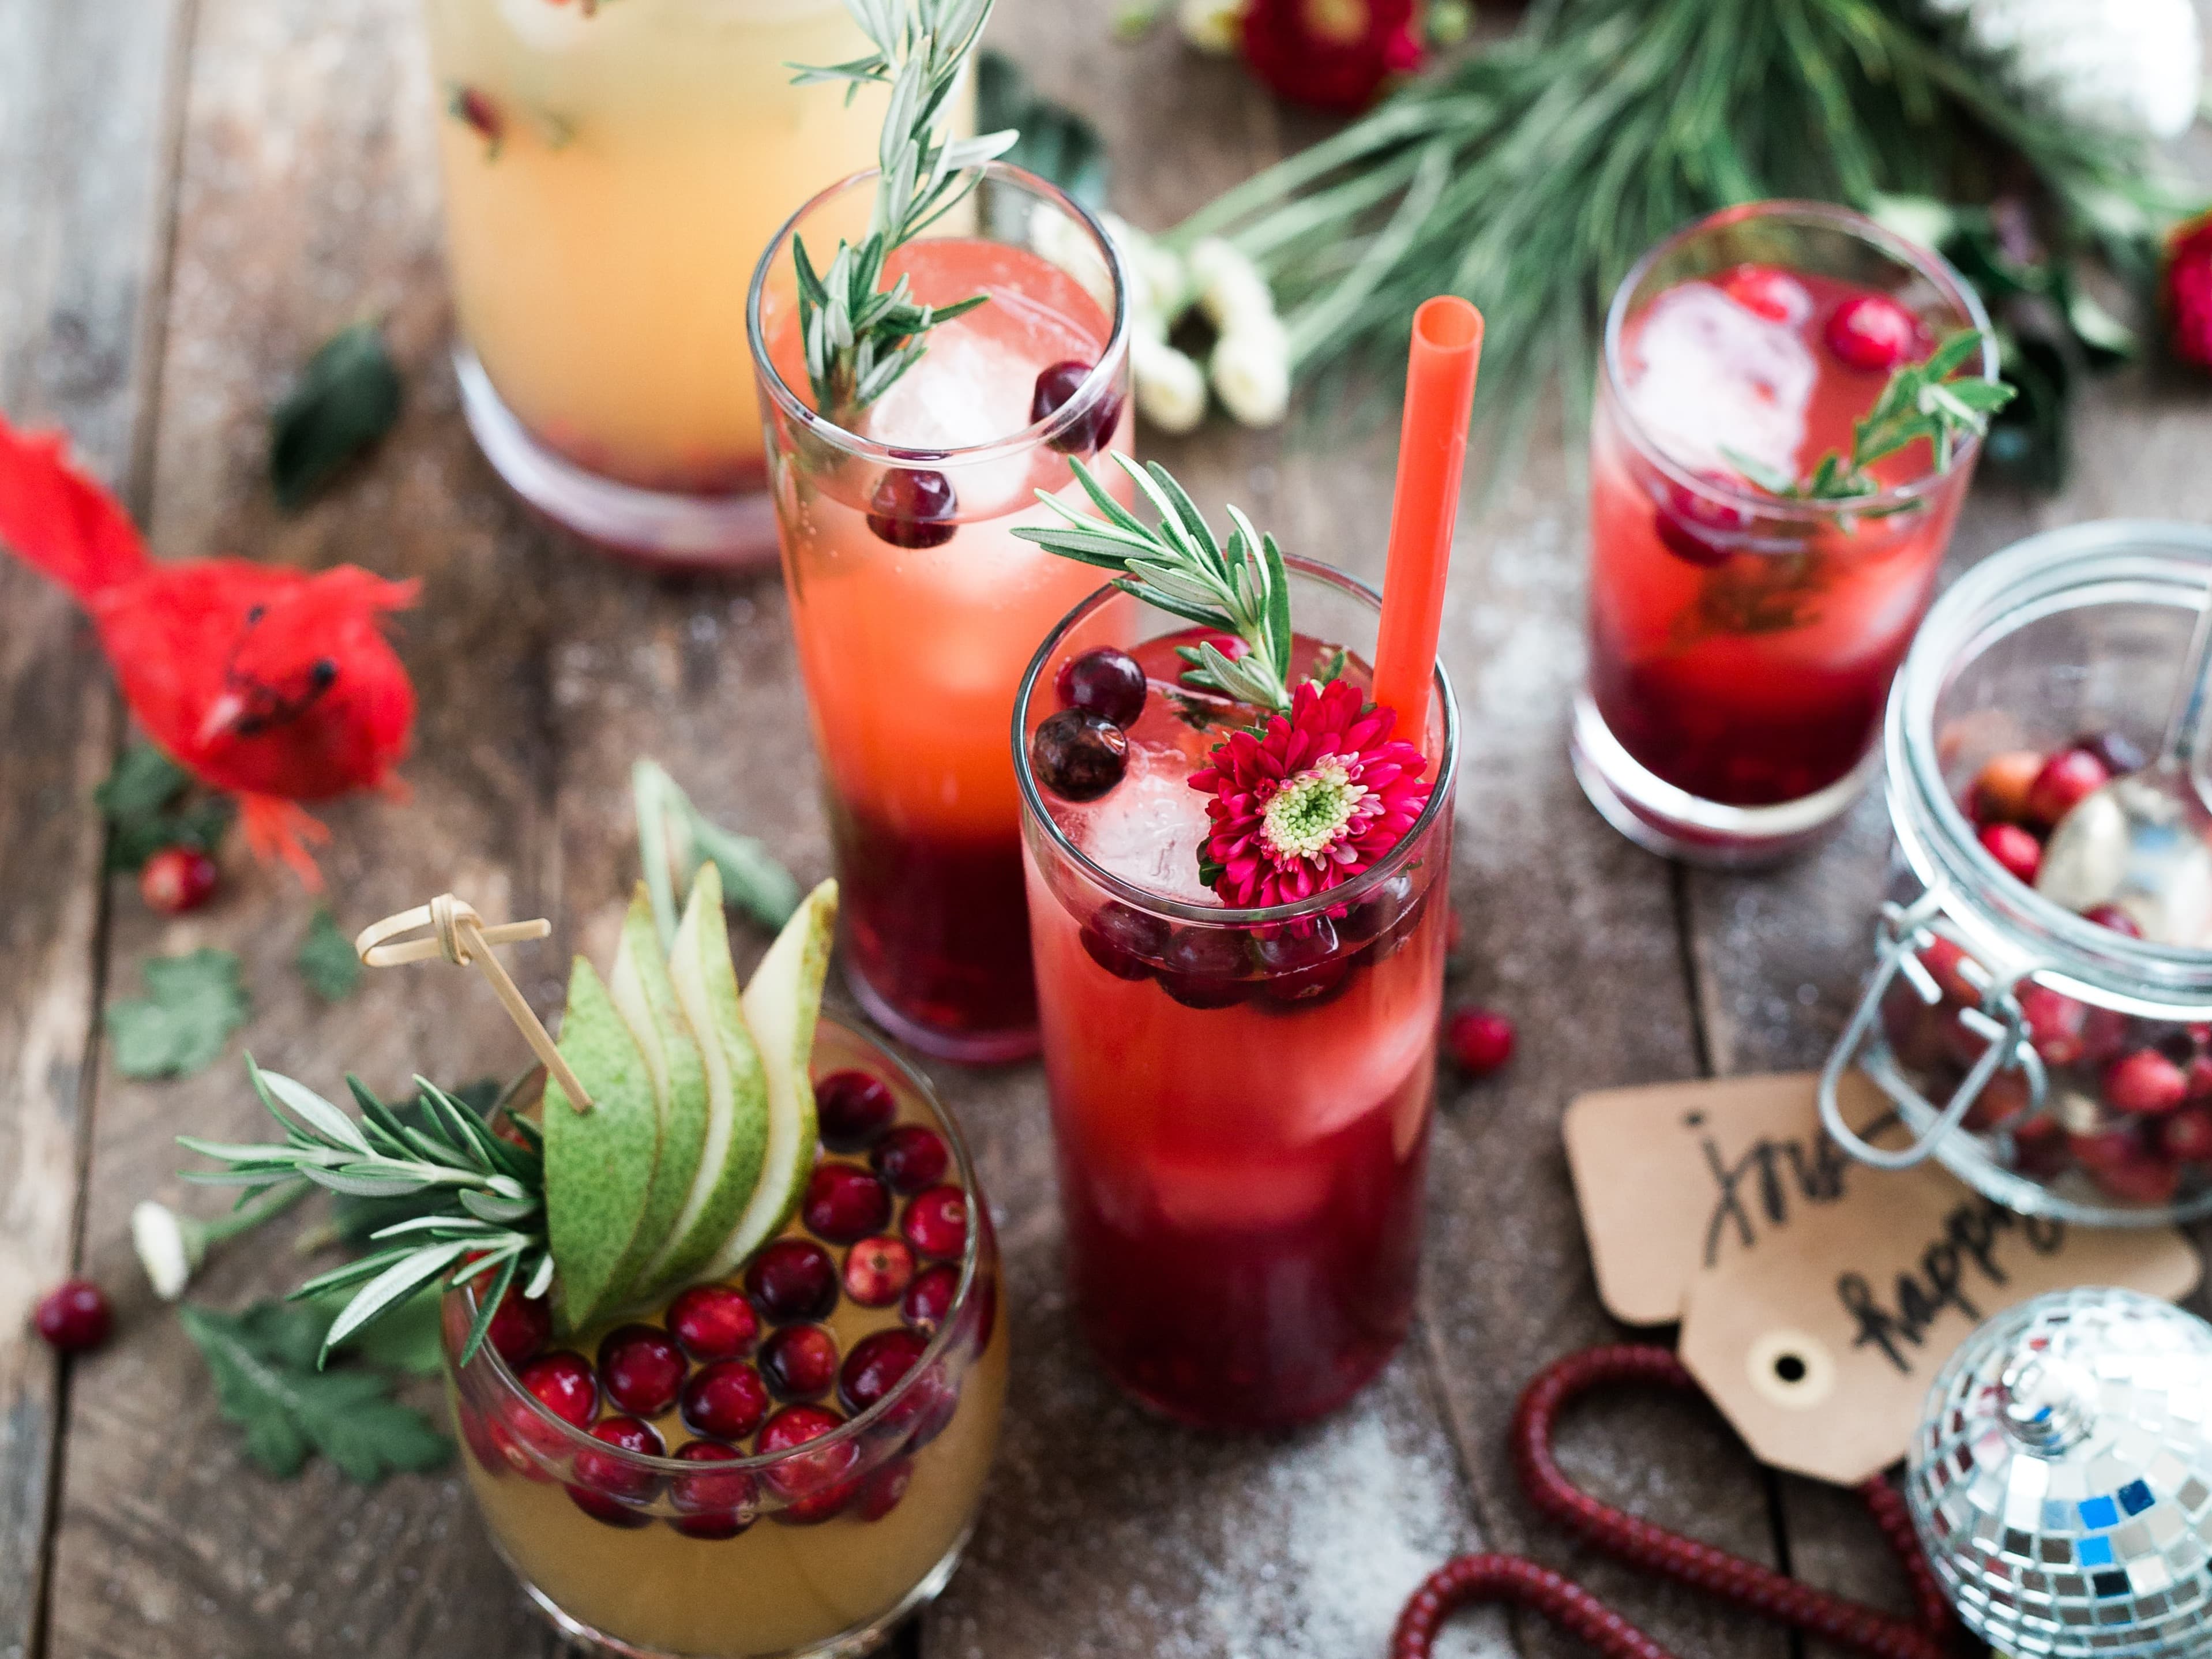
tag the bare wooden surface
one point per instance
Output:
(160, 280)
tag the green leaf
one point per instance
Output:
(145, 803)
(1056, 142)
(355, 1221)
(192, 1005)
(141, 782)
(326, 960)
(346, 399)
(262, 1364)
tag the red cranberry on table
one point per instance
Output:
(177, 879)
(1480, 1041)
(936, 1222)
(641, 1370)
(911, 1156)
(1055, 384)
(2017, 852)
(2144, 1084)
(799, 1362)
(1077, 755)
(73, 1316)
(913, 507)
(852, 1108)
(928, 1302)
(1108, 683)
(2066, 779)
(1696, 526)
(878, 1270)
(1999, 792)
(1874, 333)
(1125, 942)
(844, 1203)
(713, 1322)
(793, 1280)
(519, 1327)
(726, 1399)
(716, 1504)
(876, 1365)
(605, 1486)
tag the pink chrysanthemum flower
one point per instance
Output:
(1317, 798)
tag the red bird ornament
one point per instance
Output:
(273, 684)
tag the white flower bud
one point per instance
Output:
(1171, 386)
(1251, 371)
(1230, 289)
(1157, 281)
(164, 1250)
(1212, 25)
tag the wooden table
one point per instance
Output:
(193, 193)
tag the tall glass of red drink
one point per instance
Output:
(915, 605)
(1240, 1098)
(1742, 641)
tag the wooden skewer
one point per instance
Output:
(459, 934)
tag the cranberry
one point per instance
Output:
(484, 1441)
(1381, 911)
(1205, 968)
(2119, 753)
(1234, 646)
(817, 1485)
(473, 106)
(936, 1222)
(1696, 526)
(912, 1157)
(564, 1385)
(2145, 1082)
(881, 1495)
(1120, 939)
(1055, 384)
(607, 1488)
(641, 1370)
(1301, 963)
(844, 1203)
(852, 1108)
(2056, 1024)
(2112, 916)
(519, 1327)
(1945, 961)
(1998, 793)
(2019, 853)
(177, 879)
(726, 1399)
(792, 1280)
(876, 1365)
(2039, 1148)
(2199, 1074)
(2106, 1035)
(1480, 1041)
(877, 1271)
(1768, 291)
(929, 1301)
(2139, 1180)
(715, 1505)
(73, 1316)
(713, 1322)
(913, 506)
(2105, 1148)
(1872, 332)
(2066, 778)
(800, 1361)
(2185, 1136)
(1106, 682)
(1077, 755)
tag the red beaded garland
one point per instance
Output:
(1747, 1585)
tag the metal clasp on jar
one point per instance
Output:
(1903, 932)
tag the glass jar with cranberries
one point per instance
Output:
(2059, 1061)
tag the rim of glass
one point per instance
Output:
(853, 1428)
(1440, 797)
(1096, 386)
(1825, 215)
(2048, 574)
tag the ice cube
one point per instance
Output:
(1147, 830)
(1710, 378)
(969, 388)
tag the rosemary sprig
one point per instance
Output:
(484, 1197)
(1921, 401)
(1180, 567)
(859, 337)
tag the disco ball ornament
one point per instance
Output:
(2061, 1478)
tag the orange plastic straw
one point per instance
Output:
(1432, 453)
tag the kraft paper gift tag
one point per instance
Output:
(1818, 1297)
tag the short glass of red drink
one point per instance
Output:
(1743, 640)
(913, 604)
(1240, 1098)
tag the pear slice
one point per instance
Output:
(781, 1006)
(646, 1001)
(598, 1164)
(706, 982)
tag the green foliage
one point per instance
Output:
(346, 399)
(326, 960)
(264, 1363)
(192, 1005)
(142, 800)
(674, 837)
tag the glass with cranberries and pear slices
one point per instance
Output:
(1240, 985)
(913, 604)
(1788, 410)
(721, 1327)
(611, 170)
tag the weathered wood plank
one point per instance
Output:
(85, 181)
